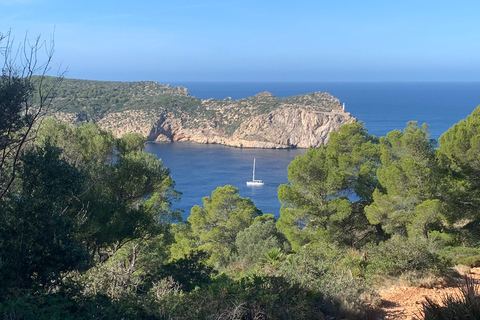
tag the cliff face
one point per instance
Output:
(261, 121)
(282, 128)
(292, 127)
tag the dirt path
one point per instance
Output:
(406, 302)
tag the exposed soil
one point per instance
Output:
(406, 302)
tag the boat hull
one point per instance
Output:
(255, 183)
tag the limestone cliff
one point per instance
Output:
(261, 121)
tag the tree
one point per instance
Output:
(459, 154)
(358, 155)
(459, 150)
(128, 193)
(406, 202)
(214, 228)
(254, 242)
(316, 203)
(25, 97)
(87, 204)
(130, 142)
(82, 146)
(38, 223)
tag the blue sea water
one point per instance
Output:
(199, 169)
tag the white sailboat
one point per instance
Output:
(254, 182)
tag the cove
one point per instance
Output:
(198, 169)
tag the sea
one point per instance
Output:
(199, 169)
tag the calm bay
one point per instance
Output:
(198, 169)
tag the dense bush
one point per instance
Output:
(255, 241)
(332, 272)
(30, 305)
(254, 297)
(400, 255)
(461, 255)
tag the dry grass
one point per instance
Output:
(463, 304)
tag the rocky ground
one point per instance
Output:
(402, 302)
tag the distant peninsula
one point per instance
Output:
(168, 114)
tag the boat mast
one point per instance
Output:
(253, 169)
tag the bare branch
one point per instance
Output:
(26, 94)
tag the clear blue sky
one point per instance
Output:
(246, 40)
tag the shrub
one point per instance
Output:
(253, 297)
(461, 255)
(463, 305)
(255, 241)
(189, 272)
(400, 255)
(472, 261)
(354, 263)
(333, 273)
(32, 304)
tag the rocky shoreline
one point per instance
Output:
(261, 121)
(282, 128)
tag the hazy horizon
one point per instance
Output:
(305, 41)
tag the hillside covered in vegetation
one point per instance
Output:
(164, 113)
(87, 229)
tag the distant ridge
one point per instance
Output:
(165, 113)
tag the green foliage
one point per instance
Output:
(95, 100)
(315, 206)
(472, 262)
(121, 176)
(38, 223)
(214, 228)
(273, 257)
(82, 146)
(405, 200)
(86, 204)
(358, 155)
(354, 263)
(34, 306)
(185, 241)
(247, 298)
(400, 255)
(331, 271)
(189, 272)
(130, 142)
(461, 255)
(458, 153)
(14, 92)
(24, 99)
(86, 227)
(459, 146)
(310, 209)
(21, 305)
(255, 241)
(92, 100)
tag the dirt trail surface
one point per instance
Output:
(406, 302)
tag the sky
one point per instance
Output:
(223, 40)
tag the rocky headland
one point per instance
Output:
(164, 113)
